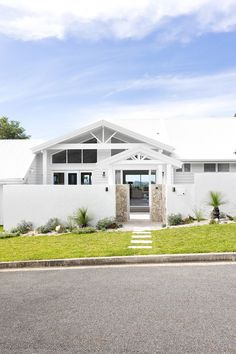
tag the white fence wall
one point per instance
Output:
(219, 182)
(187, 197)
(39, 203)
(1, 204)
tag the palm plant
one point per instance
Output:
(81, 217)
(216, 200)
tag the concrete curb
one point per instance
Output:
(149, 259)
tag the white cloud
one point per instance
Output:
(208, 85)
(33, 20)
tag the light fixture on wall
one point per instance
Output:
(173, 190)
(106, 189)
(103, 174)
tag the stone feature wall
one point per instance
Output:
(158, 203)
(122, 202)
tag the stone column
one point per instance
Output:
(158, 203)
(122, 202)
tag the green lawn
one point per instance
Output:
(201, 239)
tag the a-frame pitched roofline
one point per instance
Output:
(109, 125)
(144, 150)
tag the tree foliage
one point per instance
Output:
(11, 129)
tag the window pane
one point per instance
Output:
(118, 176)
(116, 151)
(179, 170)
(59, 157)
(223, 167)
(91, 141)
(74, 156)
(86, 178)
(153, 177)
(58, 178)
(187, 167)
(89, 156)
(72, 178)
(209, 167)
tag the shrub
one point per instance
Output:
(198, 213)
(215, 200)
(108, 223)
(175, 219)
(231, 218)
(23, 228)
(71, 224)
(81, 217)
(8, 235)
(187, 220)
(51, 226)
(84, 230)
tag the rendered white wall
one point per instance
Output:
(39, 203)
(187, 197)
(1, 204)
(181, 200)
(219, 182)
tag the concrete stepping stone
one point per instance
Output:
(141, 236)
(141, 232)
(141, 241)
(140, 247)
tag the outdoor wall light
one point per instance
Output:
(104, 174)
(106, 189)
(173, 189)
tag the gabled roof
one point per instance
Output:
(16, 158)
(194, 139)
(154, 155)
(110, 125)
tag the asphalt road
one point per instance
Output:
(149, 309)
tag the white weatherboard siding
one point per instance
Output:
(40, 203)
(1, 204)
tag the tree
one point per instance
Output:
(215, 200)
(11, 129)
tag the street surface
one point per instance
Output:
(127, 309)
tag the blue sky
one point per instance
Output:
(67, 63)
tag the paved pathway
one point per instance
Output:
(141, 239)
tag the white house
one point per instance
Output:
(155, 166)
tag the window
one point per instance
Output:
(89, 156)
(74, 156)
(116, 151)
(58, 178)
(72, 178)
(209, 167)
(86, 178)
(59, 157)
(153, 177)
(118, 176)
(186, 168)
(223, 167)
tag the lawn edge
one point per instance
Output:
(122, 260)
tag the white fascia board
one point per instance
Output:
(208, 160)
(138, 136)
(143, 150)
(98, 124)
(12, 181)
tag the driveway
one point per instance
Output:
(135, 309)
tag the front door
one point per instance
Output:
(139, 189)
